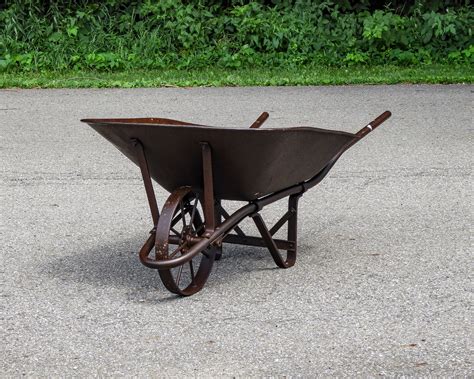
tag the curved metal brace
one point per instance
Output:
(200, 246)
(291, 217)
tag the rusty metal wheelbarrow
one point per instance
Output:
(203, 165)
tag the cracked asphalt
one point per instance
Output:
(383, 281)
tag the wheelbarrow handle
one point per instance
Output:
(373, 124)
(259, 121)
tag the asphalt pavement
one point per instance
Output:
(383, 281)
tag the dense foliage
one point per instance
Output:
(147, 34)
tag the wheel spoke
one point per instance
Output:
(175, 220)
(183, 214)
(200, 229)
(180, 247)
(191, 268)
(183, 220)
(175, 232)
(193, 212)
(178, 216)
(178, 277)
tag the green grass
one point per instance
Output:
(433, 74)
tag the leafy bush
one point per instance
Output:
(120, 35)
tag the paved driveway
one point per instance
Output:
(382, 285)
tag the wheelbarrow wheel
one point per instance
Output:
(179, 226)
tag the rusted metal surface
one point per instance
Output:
(247, 163)
(259, 166)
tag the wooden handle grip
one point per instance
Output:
(259, 121)
(374, 124)
(382, 118)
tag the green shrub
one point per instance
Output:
(120, 35)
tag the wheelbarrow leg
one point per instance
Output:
(210, 204)
(293, 227)
(290, 218)
(219, 219)
(142, 162)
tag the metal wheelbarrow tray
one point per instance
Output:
(201, 166)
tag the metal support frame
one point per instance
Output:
(142, 163)
(266, 239)
(215, 215)
(208, 189)
(290, 217)
(218, 224)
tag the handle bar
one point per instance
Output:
(373, 124)
(259, 121)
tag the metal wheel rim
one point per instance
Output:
(190, 277)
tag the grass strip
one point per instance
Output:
(210, 77)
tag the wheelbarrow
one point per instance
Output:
(203, 165)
